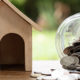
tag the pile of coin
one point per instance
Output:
(72, 59)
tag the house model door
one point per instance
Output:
(12, 50)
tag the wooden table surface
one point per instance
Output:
(15, 75)
(38, 66)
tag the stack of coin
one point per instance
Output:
(72, 59)
(75, 48)
(70, 62)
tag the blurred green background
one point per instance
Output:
(49, 14)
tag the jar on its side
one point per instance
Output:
(68, 32)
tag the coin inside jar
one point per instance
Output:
(69, 60)
(77, 53)
(76, 49)
(78, 68)
(70, 67)
(68, 50)
(77, 43)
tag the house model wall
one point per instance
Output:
(15, 36)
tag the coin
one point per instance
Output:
(78, 68)
(68, 50)
(77, 43)
(76, 60)
(46, 78)
(70, 67)
(65, 67)
(37, 73)
(69, 60)
(76, 49)
(33, 75)
(47, 74)
(52, 70)
(77, 54)
(73, 72)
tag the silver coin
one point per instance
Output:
(65, 67)
(69, 60)
(78, 68)
(70, 67)
(76, 54)
(35, 75)
(76, 60)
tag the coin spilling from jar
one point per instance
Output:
(72, 59)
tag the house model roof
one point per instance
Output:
(35, 25)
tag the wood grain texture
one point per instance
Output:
(10, 22)
(5, 75)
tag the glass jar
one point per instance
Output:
(68, 32)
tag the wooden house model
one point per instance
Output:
(15, 36)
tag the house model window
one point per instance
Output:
(15, 36)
